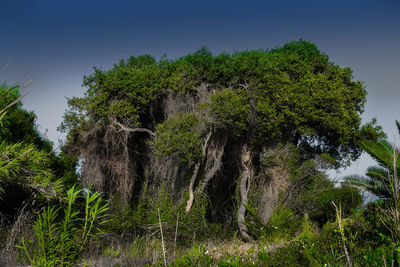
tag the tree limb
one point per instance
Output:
(133, 130)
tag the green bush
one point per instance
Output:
(191, 225)
(282, 224)
(228, 109)
(324, 211)
(177, 136)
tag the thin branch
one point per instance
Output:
(210, 172)
(25, 85)
(176, 235)
(341, 230)
(5, 67)
(162, 237)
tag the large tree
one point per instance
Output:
(207, 124)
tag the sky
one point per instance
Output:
(56, 43)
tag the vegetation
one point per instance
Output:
(206, 160)
(202, 123)
(60, 243)
(380, 180)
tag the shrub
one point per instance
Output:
(176, 136)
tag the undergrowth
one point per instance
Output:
(305, 244)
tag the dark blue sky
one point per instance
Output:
(55, 43)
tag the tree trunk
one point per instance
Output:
(244, 190)
(189, 203)
(214, 163)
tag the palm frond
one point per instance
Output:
(398, 126)
(362, 182)
(378, 173)
(380, 150)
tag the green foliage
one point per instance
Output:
(282, 224)
(195, 224)
(24, 164)
(324, 248)
(192, 225)
(292, 94)
(365, 237)
(60, 242)
(379, 180)
(122, 93)
(312, 192)
(146, 212)
(27, 160)
(18, 125)
(178, 137)
(231, 110)
(319, 196)
(197, 256)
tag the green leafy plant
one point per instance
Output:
(177, 136)
(197, 256)
(377, 179)
(60, 242)
(228, 110)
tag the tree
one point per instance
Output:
(202, 124)
(27, 164)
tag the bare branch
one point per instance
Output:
(133, 130)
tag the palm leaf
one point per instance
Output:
(378, 173)
(398, 126)
(362, 182)
(381, 151)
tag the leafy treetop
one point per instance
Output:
(288, 94)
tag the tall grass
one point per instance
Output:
(60, 241)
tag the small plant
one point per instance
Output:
(60, 242)
(197, 256)
(112, 252)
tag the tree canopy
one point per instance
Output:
(292, 94)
